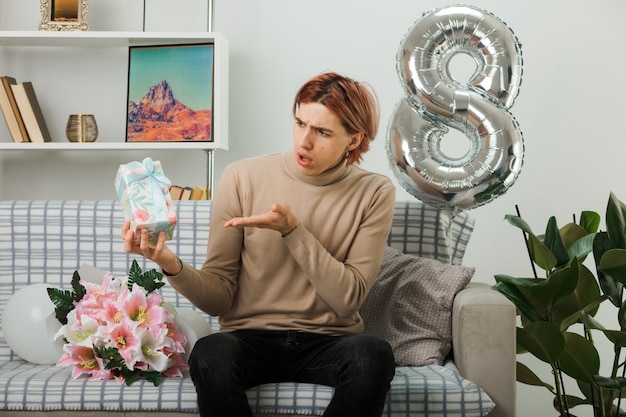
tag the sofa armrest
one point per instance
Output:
(483, 342)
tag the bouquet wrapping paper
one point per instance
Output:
(143, 191)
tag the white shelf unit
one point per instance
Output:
(20, 41)
(77, 70)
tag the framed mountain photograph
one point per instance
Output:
(170, 93)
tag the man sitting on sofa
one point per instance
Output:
(287, 283)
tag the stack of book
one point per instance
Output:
(22, 112)
(189, 193)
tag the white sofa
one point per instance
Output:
(46, 241)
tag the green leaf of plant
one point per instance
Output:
(528, 377)
(590, 392)
(543, 340)
(613, 263)
(610, 383)
(518, 282)
(559, 285)
(601, 244)
(590, 309)
(508, 286)
(519, 223)
(554, 242)
(130, 377)
(618, 338)
(580, 359)
(590, 221)
(111, 357)
(153, 377)
(79, 289)
(134, 273)
(581, 247)
(150, 280)
(63, 301)
(615, 221)
(610, 287)
(571, 232)
(541, 254)
(572, 402)
(591, 323)
(621, 316)
(585, 297)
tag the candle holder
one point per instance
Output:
(81, 128)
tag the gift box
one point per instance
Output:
(143, 191)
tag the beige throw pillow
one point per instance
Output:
(410, 306)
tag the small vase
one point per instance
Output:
(81, 128)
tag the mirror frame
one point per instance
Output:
(48, 22)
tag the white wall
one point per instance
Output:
(570, 107)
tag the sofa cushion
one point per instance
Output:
(410, 306)
(422, 230)
(436, 391)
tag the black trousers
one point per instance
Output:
(224, 365)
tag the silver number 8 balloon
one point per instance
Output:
(435, 101)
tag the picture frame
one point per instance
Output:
(64, 15)
(170, 93)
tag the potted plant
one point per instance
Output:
(557, 311)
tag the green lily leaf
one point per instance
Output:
(615, 223)
(543, 340)
(554, 241)
(580, 359)
(509, 287)
(559, 285)
(618, 338)
(613, 263)
(590, 221)
(528, 377)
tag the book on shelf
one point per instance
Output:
(198, 193)
(188, 193)
(10, 111)
(31, 112)
(175, 192)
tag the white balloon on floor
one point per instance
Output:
(24, 325)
